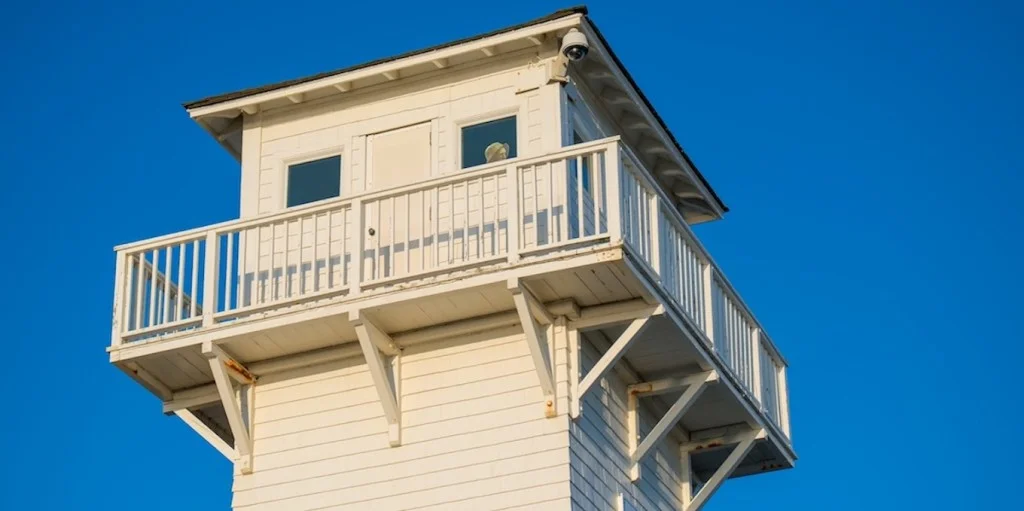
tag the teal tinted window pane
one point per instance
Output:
(314, 180)
(478, 142)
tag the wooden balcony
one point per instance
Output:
(583, 230)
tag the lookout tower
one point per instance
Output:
(462, 278)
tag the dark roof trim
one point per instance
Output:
(220, 98)
(647, 103)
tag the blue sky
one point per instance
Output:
(868, 151)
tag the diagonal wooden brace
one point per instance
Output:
(529, 308)
(384, 360)
(696, 386)
(617, 350)
(189, 418)
(238, 411)
(746, 443)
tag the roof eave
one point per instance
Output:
(650, 112)
(251, 99)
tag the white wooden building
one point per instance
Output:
(462, 278)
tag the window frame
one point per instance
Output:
(495, 115)
(287, 163)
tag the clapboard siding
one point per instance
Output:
(340, 125)
(600, 460)
(474, 433)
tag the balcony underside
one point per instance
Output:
(581, 234)
(663, 351)
(587, 277)
(598, 287)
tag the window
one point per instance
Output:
(488, 141)
(314, 180)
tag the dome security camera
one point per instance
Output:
(575, 45)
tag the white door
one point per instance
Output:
(396, 234)
(399, 157)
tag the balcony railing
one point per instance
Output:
(499, 213)
(657, 235)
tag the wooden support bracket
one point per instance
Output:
(745, 443)
(384, 360)
(695, 385)
(530, 310)
(617, 350)
(204, 431)
(237, 408)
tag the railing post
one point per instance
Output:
(755, 362)
(210, 278)
(120, 284)
(655, 209)
(355, 286)
(783, 397)
(613, 176)
(515, 216)
(709, 306)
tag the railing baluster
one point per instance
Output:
(241, 293)
(480, 229)
(579, 197)
(314, 270)
(436, 212)
(551, 203)
(536, 200)
(465, 221)
(195, 279)
(375, 272)
(286, 276)
(451, 222)
(359, 236)
(391, 240)
(344, 247)
(328, 268)
(152, 286)
(423, 230)
(408, 234)
(300, 280)
(229, 271)
(180, 294)
(166, 309)
(596, 191)
(755, 365)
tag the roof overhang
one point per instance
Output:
(602, 71)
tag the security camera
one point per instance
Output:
(575, 45)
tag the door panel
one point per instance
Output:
(397, 158)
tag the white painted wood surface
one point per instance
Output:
(459, 426)
(473, 435)
(311, 252)
(599, 443)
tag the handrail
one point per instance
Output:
(680, 222)
(330, 204)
